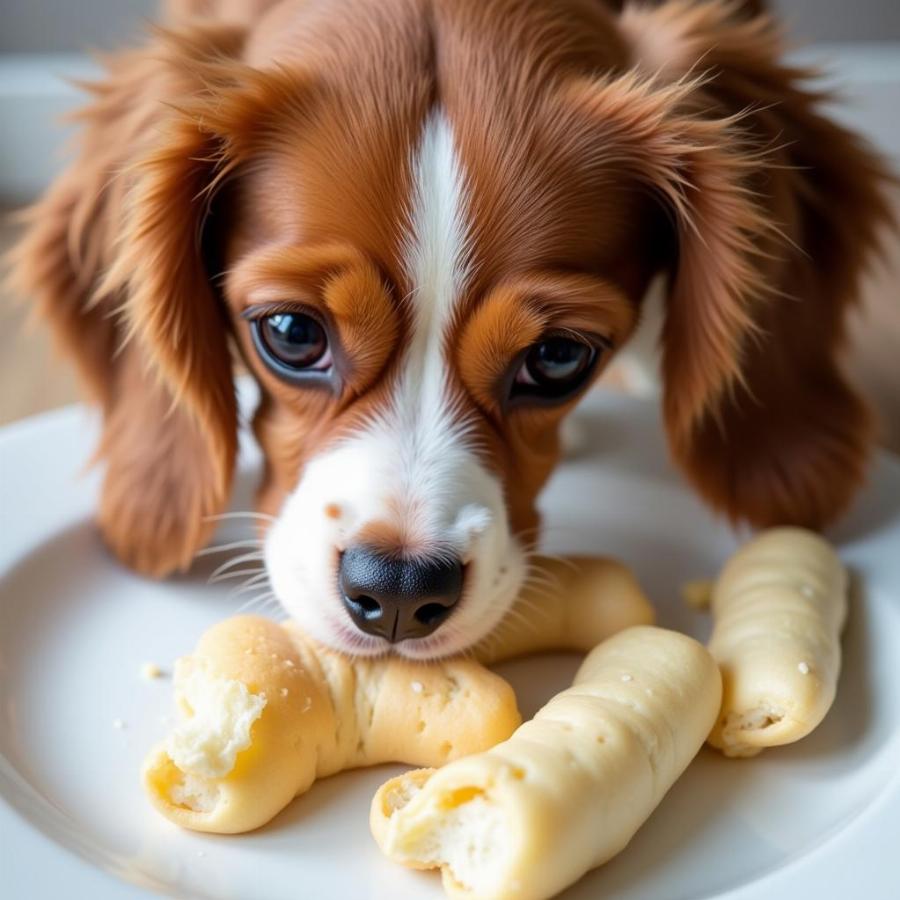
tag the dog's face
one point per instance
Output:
(428, 233)
(423, 285)
(416, 357)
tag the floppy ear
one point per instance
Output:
(114, 258)
(170, 438)
(776, 210)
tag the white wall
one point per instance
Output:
(70, 25)
(41, 40)
(841, 20)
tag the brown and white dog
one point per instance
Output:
(426, 226)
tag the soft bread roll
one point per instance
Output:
(779, 606)
(569, 603)
(268, 711)
(570, 788)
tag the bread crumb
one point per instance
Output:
(803, 668)
(626, 677)
(119, 725)
(417, 687)
(697, 594)
(307, 705)
(150, 670)
(284, 692)
(289, 664)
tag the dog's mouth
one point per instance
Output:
(354, 642)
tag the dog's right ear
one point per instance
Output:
(777, 212)
(114, 258)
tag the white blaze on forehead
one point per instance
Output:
(434, 466)
(436, 242)
(413, 464)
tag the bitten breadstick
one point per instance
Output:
(312, 712)
(267, 711)
(571, 787)
(779, 606)
(571, 603)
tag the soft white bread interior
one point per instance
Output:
(265, 712)
(570, 788)
(778, 605)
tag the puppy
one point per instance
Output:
(426, 227)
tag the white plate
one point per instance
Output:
(821, 818)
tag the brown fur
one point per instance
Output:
(786, 438)
(274, 151)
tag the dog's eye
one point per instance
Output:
(554, 368)
(294, 341)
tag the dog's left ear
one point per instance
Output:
(170, 441)
(776, 211)
(122, 258)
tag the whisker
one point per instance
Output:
(533, 610)
(254, 584)
(259, 602)
(239, 515)
(239, 574)
(268, 600)
(541, 579)
(261, 598)
(234, 545)
(514, 616)
(540, 576)
(562, 558)
(539, 602)
(541, 594)
(237, 560)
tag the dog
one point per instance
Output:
(426, 227)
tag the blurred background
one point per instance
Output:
(43, 42)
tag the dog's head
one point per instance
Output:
(427, 236)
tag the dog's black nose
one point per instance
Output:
(398, 598)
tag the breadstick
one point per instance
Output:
(570, 788)
(267, 711)
(779, 606)
(571, 603)
(312, 712)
